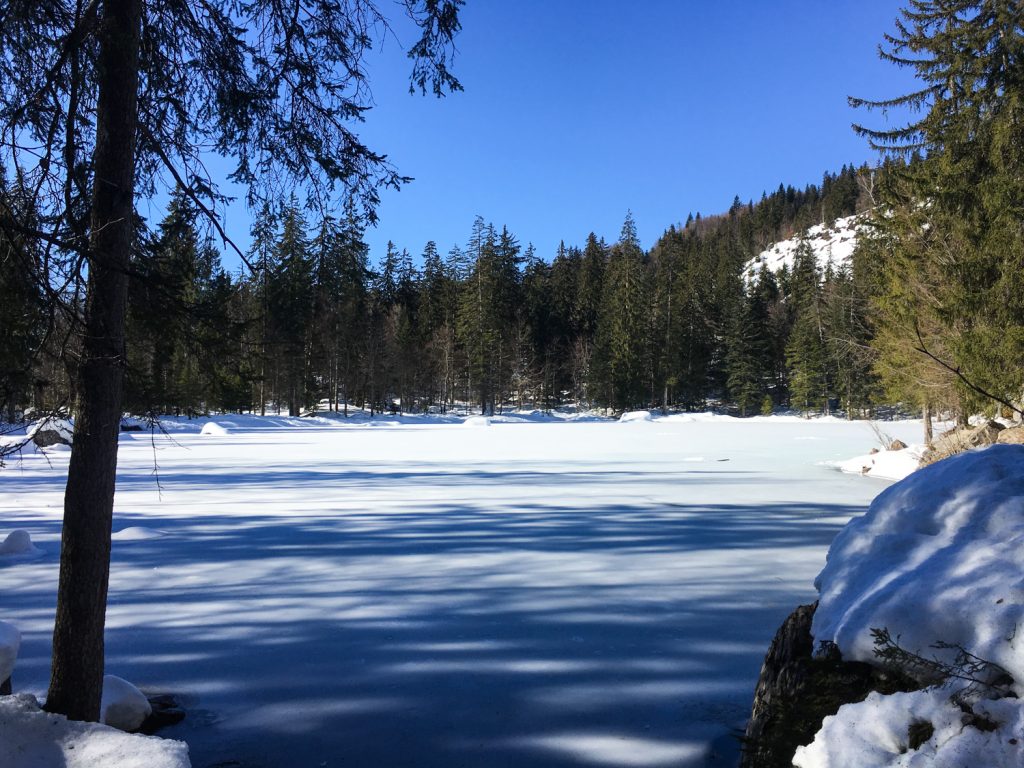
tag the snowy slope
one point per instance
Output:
(831, 244)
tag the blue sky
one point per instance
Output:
(575, 111)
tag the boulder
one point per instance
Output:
(51, 431)
(960, 439)
(798, 688)
(897, 445)
(1012, 435)
(122, 705)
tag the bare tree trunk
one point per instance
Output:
(926, 416)
(76, 676)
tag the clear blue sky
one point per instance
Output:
(575, 111)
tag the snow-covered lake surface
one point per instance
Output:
(530, 592)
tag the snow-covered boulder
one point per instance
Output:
(629, 416)
(885, 465)
(51, 431)
(937, 557)
(10, 642)
(214, 429)
(18, 542)
(477, 421)
(31, 738)
(123, 706)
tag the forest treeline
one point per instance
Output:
(489, 323)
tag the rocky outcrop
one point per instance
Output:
(961, 439)
(799, 687)
(1012, 435)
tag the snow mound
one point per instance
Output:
(31, 738)
(10, 642)
(477, 421)
(874, 734)
(123, 706)
(19, 542)
(635, 416)
(213, 428)
(137, 533)
(831, 244)
(938, 557)
(886, 465)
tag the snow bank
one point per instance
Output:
(876, 732)
(635, 416)
(10, 642)
(213, 428)
(19, 542)
(885, 465)
(938, 557)
(137, 533)
(477, 421)
(123, 706)
(31, 738)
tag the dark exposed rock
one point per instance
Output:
(44, 438)
(798, 688)
(897, 445)
(166, 712)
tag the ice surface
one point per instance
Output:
(31, 738)
(551, 591)
(123, 706)
(10, 641)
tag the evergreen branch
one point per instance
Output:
(923, 348)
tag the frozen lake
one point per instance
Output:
(437, 595)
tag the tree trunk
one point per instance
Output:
(76, 676)
(926, 416)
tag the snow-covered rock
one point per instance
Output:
(51, 431)
(31, 738)
(18, 542)
(635, 416)
(123, 706)
(938, 557)
(213, 428)
(10, 642)
(478, 421)
(885, 465)
(833, 244)
(875, 734)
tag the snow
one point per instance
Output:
(31, 738)
(552, 590)
(937, 558)
(137, 533)
(123, 706)
(213, 428)
(10, 641)
(832, 244)
(874, 734)
(18, 543)
(478, 421)
(885, 465)
(635, 416)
